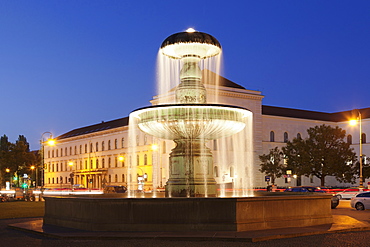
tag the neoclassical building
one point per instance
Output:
(97, 155)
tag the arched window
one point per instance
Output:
(285, 137)
(363, 137)
(349, 139)
(299, 136)
(145, 159)
(272, 136)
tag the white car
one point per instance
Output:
(361, 201)
(350, 192)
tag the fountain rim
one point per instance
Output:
(187, 105)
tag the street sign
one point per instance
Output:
(267, 178)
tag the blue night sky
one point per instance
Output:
(69, 64)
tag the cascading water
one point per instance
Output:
(188, 112)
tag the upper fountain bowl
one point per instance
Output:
(190, 43)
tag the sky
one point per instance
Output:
(73, 63)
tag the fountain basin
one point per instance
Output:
(191, 121)
(102, 213)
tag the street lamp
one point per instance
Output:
(354, 122)
(50, 142)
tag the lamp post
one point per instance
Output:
(354, 122)
(32, 175)
(50, 142)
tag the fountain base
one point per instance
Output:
(103, 213)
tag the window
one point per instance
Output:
(109, 178)
(91, 164)
(115, 162)
(137, 140)
(145, 140)
(65, 151)
(115, 144)
(97, 163)
(61, 152)
(52, 154)
(116, 178)
(137, 160)
(91, 147)
(363, 137)
(85, 164)
(123, 178)
(109, 161)
(272, 136)
(85, 148)
(102, 146)
(122, 142)
(70, 150)
(75, 150)
(299, 136)
(145, 159)
(103, 163)
(231, 171)
(349, 139)
(49, 154)
(80, 149)
(164, 147)
(57, 167)
(285, 137)
(109, 145)
(56, 153)
(97, 147)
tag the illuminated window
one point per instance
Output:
(349, 139)
(272, 136)
(137, 140)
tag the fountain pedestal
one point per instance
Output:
(191, 173)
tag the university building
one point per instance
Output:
(97, 155)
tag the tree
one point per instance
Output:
(272, 164)
(324, 153)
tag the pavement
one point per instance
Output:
(344, 220)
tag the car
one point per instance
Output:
(334, 198)
(361, 201)
(350, 192)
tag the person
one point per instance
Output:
(269, 188)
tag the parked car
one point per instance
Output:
(334, 198)
(361, 201)
(115, 189)
(350, 192)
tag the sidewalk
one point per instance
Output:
(342, 223)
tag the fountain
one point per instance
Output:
(192, 201)
(191, 122)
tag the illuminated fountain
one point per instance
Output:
(191, 122)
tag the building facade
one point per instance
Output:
(98, 155)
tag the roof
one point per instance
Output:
(121, 122)
(210, 78)
(314, 115)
